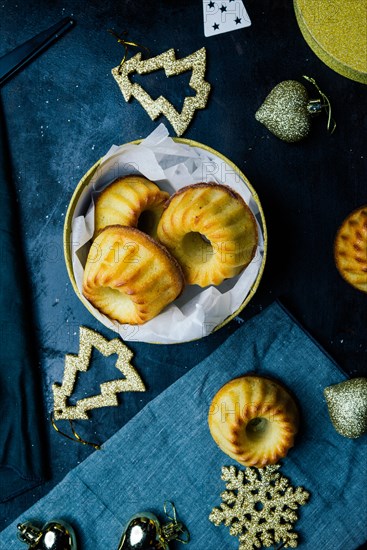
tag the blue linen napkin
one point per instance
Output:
(166, 452)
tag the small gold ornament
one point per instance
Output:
(172, 66)
(347, 405)
(287, 110)
(54, 535)
(259, 506)
(89, 339)
(144, 531)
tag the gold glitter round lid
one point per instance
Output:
(336, 31)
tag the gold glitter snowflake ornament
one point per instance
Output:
(259, 506)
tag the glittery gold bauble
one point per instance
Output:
(347, 404)
(285, 113)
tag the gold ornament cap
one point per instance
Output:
(347, 404)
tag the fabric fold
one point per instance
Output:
(166, 452)
(21, 452)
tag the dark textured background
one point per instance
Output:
(65, 110)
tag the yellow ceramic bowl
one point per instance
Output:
(83, 184)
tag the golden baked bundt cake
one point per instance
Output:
(132, 201)
(350, 249)
(129, 276)
(210, 230)
(253, 420)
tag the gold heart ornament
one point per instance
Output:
(284, 112)
(172, 66)
(287, 110)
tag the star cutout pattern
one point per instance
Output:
(221, 16)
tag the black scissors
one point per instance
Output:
(15, 60)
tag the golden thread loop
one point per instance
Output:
(177, 526)
(186, 532)
(174, 514)
(76, 438)
(126, 44)
(331, 124)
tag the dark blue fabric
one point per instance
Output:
(166, 452)
(21, 458)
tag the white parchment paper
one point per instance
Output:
(171, 166)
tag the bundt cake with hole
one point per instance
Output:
(129, 276)
(350, 249)
(132, 201)
(253, 420)
(211, 232)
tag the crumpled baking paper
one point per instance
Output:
(171, 165)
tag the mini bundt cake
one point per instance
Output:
(211, 232)
(350, 249)
(132, 201)
(129, 276)
(253, 420)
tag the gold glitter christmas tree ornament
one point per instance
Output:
(259, 506)
(196, 62)
(347, 405)
(89, 339)
(287, 111)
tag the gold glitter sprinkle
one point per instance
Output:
(347, 404)
(89, 339)
(259, 507)
(172, 66)
(284, 111)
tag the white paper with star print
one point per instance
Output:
(224, 16)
